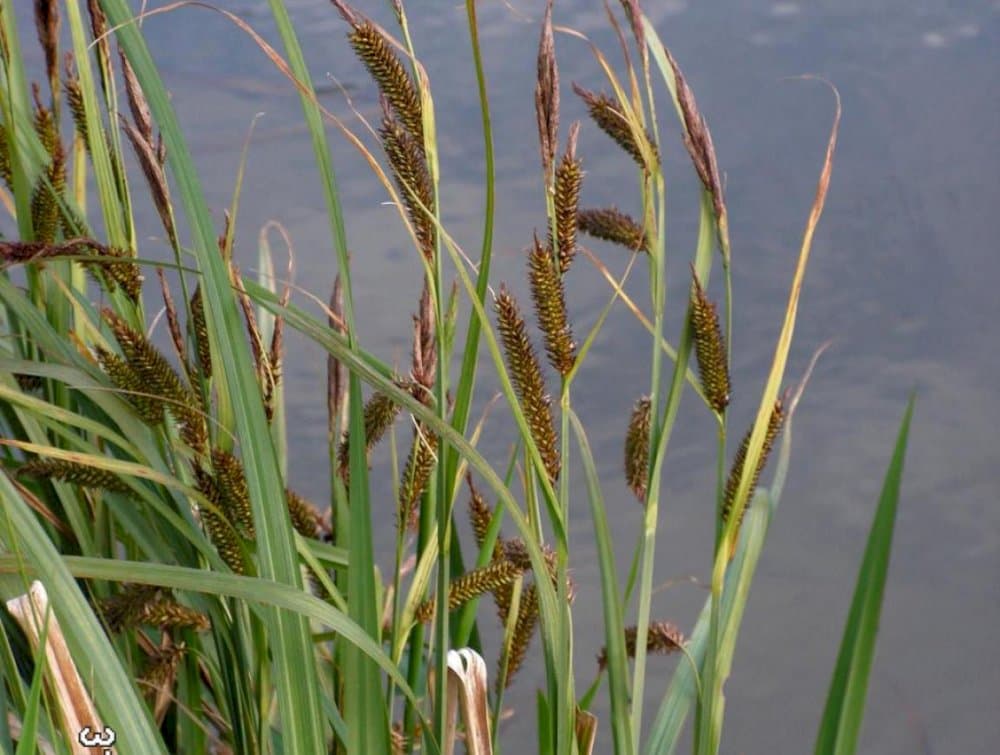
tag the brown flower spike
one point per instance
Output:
(610, 224)
(524, 630)
(698, 141)
(549, 297)
(393, 81)
(609, 118)
(526, 374)
(220, 531)
(419, 465)
(305, 516)
(733, 483)
(637, 448)
(406, 157)
(75, 473)
(662, 638)
(471, 585)
(569, 178)
(547, 95)
(480, 515)
(233, 491)
(709, 347)
(380, 412)
(160, 379)
(149, 408)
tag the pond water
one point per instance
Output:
(903, 278)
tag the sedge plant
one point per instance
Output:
(204, 603)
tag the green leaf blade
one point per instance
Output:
(844, 711)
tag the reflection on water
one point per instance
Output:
(903, 278)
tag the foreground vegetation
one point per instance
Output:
(205, 605)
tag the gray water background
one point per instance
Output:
(903, 277)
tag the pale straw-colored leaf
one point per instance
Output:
(74, 706)
(586, 731)
(467, 691)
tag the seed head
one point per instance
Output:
(526, 374)
(605, 112)
(74, 473)
(609, 224)
(709, 347)
(637, 448)
(549, 297)
(569, 178)
(774, 424)
(662, 638)
(419, 465)
(374, 50)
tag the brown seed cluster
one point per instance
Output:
(74, 99)
(375, 51)
(221, 532)
(547, 95)
(74, 473)
(713, 364)
(148, 407)
(610, 224)
(233, 491)
(305, 517)
(160, 380)
(526, 373)
(568, 180)
(48, 190)
(774, 424)
(101, 261)
(611, 120)
(471, 585)
(199, 326)
(698, 140)
(161, 666)
(138, 605)
(549, 297)
(416, 474)
(409, 166)
(47, 25)
(662, 638)
(515, 552)
(379, 413)
(6, 172)
(637, 448)
(524, 629)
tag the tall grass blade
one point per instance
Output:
(617, 660)
(842, 716)
(366, 717)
